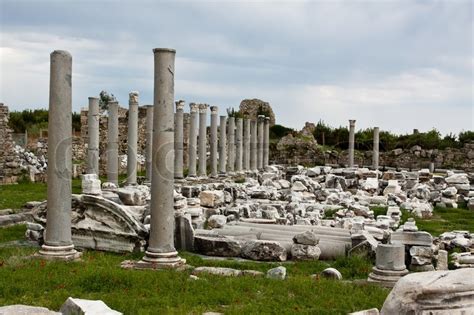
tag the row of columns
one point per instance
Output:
(231, 147)
(375, 154)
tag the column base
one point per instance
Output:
(65, 253)
(156, 261)
(223, 175)
(386, 278)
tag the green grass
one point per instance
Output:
(444, 220)
(98, 276)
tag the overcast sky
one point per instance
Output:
(398, 65)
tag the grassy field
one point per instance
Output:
(98, 276)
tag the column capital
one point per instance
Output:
(267, 120)
(133, 98)
(214, 109)
(179, 105)
(203, 108)
(376, 128)
(261, 118)
(90, 98)
(114, 103)
(193, 107)
(352, 122)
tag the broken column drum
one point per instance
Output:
(93, 119)
(214, 141)
(260, 135)
(222, 145)
(253, 145)
(161, 252)
(132, 139)
(112, 143)
(246, 153)
(192, 157)
(149, 140)
(266, 141)
(57, 237)
(231, 145)
(389, 265)
(351, 142)
(238, 144)
(375, 156)
(178, 140)
(202, 148)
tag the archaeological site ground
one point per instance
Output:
(170, 206)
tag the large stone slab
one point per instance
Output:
(419, 238)
(434, 292)
(217, 246)
(25, 310)
(74, 306)
(264, 250)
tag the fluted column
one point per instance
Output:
(253, 145)
(192, 156)
(246, 151)
(202, 149)
(178, 140)
(112, 143)
(93, 118)
(238, 144)
(266, 141)
(57, 237)
(351, 142)
(260, 137)
(132, 139)
(148, 140)
(161, 252)
(375, 157)
(214, 141)
(231, 145)
(222, 145)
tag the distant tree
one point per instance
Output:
(279, 131)
(466, 136)
(105, 99)
(231, 112)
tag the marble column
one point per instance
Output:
(260, 137)
(238, 144)
(253, 145)
(112, 143)
(222, 146)
(231, 145)
(193, 127)
(132, 138)
(351, 142)
(57, 236)
(93, 118)
(148, 140)
(266, 141)
(246, 151)
(202, 147)
(178, 140)
(214, 141)
(375, 157)
(161, 252)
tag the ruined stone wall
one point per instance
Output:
(299, 150)
(9, 162)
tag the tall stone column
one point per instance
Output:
(112, 143)
(261, 121)
(178, 140)
(222, 146)
(132, 138)
(161, 252)
(193, 140)
(351, 142)
(202, 149)
(253, 145)
(238, 144)
(57, 238)
(214, 141)
(246, 151)
(266, 141)
(375, 157)
(149, 140)
(231, 145)
(93, 118)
